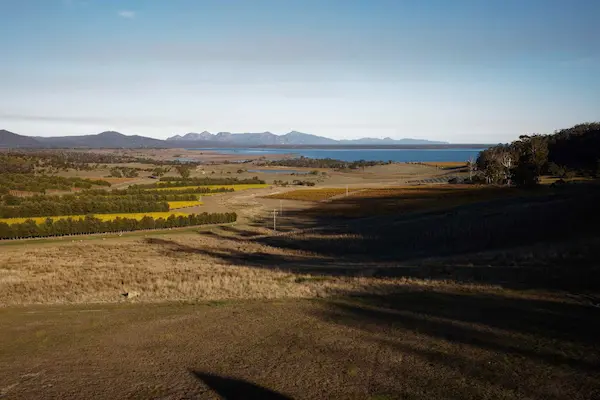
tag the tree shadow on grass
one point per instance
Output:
(237, 389)
(486, 243)
(521, 344)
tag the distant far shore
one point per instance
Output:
(354, 146)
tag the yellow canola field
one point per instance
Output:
(103, 217)
(174, 205)
(234, 187)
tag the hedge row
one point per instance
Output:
(91, 224)
(105, 205)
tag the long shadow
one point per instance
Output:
(486, 242)
(237, 389)
(572, 274)
(463, 229)
(461, 330)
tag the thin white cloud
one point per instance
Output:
(126, 14)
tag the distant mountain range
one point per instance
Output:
(205, 139)
(293, 138)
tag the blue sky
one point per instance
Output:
(460, 70)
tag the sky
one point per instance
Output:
(463, 71)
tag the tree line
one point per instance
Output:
(24, 161)
(569, 151)
(138, 190)
(80, 206)
(11, 200)
(91, 224)
(305, 162)
(41, 183)
(169, 182)
(124, 172)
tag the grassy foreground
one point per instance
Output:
(438, 343)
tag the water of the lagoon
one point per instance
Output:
(355, 154)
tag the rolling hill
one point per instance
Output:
(12, 140)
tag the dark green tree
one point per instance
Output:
(184, 171)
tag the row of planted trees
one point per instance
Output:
(96, 202)
(305, 162)
(28, 161)
(104, 205)
(91, 224)
(136, 190)
(176, 181)
(41, 183)
(9, 199)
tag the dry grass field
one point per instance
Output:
(311, 194)
(165, 267)
(446, 164)
(393, 200)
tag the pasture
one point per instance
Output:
(311, 194)
(394, 200)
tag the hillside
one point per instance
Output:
(108, 139)
(12, 140)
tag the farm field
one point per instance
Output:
(174, 205)
(393, 200)
(311, 194)
(103, 217)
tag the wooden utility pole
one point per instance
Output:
(346, 190)
(275, 219)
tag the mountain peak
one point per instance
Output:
(110, 134)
